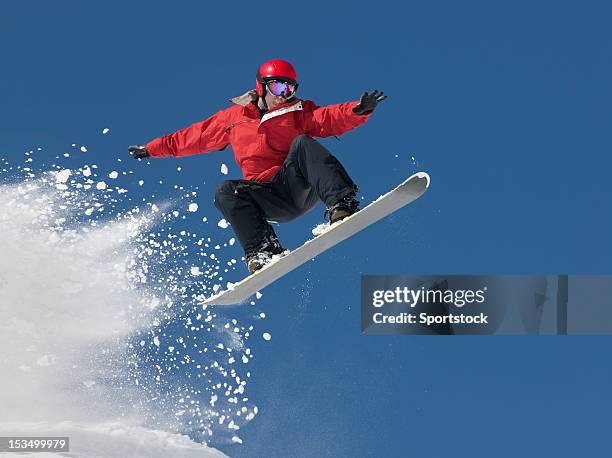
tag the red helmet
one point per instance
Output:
(274, 69)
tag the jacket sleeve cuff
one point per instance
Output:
(155, 148)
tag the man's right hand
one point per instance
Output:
(138, 151)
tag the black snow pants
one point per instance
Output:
(310, 173)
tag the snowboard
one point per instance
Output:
(408, 191)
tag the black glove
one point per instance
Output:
(368, 102)
(138, 151)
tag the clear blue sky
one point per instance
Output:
(507, 105)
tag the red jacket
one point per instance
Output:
(260, 144)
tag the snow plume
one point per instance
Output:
(101, 333)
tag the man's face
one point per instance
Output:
(274, 100)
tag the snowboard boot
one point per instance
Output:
(344, 208)
(258, 258)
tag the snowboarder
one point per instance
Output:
(286, 172)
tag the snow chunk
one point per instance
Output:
(195, 271)
(101, 185)
(62, 176)
(223, 224)
(266, 336)
(193, 207)
(83, 149)
(224, 169)
(105, 131)
(113, 175)
(318, 230)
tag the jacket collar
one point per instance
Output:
(281, 110)
(245, 99)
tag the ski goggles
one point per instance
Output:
(284, 88)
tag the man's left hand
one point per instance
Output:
(368, 102)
